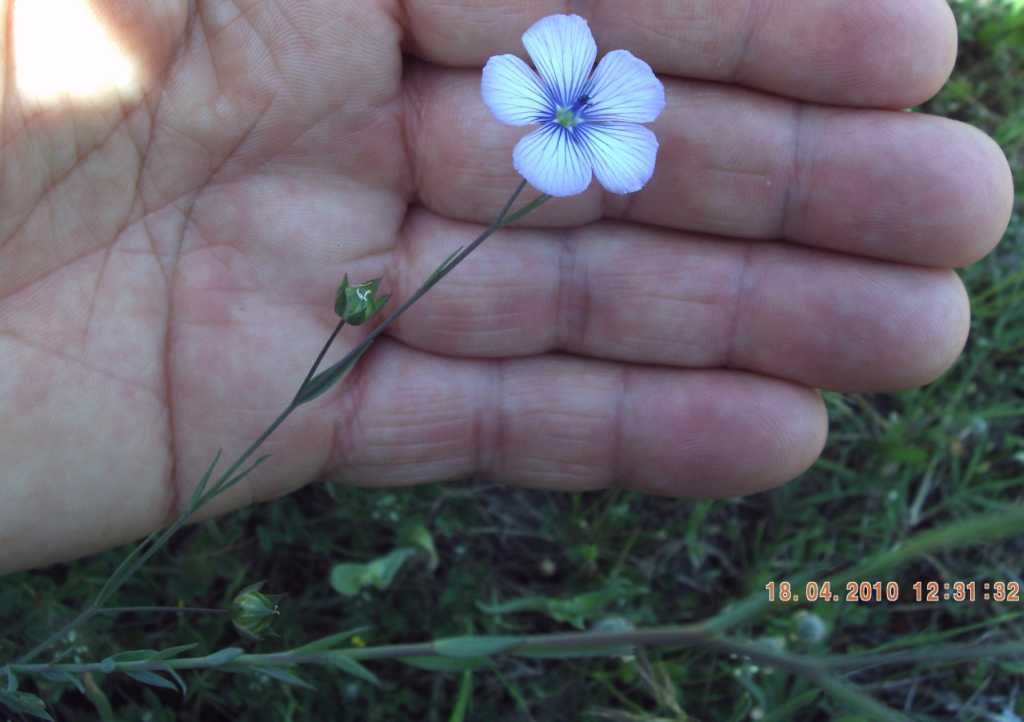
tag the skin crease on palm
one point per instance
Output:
(168, 261)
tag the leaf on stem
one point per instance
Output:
(225, 484)
(197, 493)
(471, 646)
(346, 664)
(25, 703)
(323, 381)
(134, 655)
(223, 656)
(550, 653)
(154, 680)
(64, 678)
(177, 678)
(172, 652)
(330, 642)
(464, 698)
(446, 664)
(283, 675)
(446, 265)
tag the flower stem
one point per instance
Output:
(169, 610)
(823, 671)
(333, 374)
(142, 552)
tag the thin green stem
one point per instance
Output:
(143, 551)
(82, 618)
(316, 364)
(168, 610)
(692, 636)
(445, 268)
(821, 671)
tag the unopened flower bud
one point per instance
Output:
(809, 627)
(357, 304)
(252, 612)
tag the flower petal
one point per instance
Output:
(563, 50)
(551, 159)
(513, 92)
(624, 89)
(622, 154)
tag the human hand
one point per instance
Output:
(168, 262)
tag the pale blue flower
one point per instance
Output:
(589, 123)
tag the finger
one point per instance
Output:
(641, 295)
(887, 53)
(738, 163)
(568, 423)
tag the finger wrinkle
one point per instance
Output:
(617, 468)
(748, 27)
(739, 309)
(572, 297)
(411, 119)
(490, 424)
(795, 201)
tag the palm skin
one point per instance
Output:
(168, 263)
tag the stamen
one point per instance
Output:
(570, 117)
(566, 117)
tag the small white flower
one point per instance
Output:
(589, 122)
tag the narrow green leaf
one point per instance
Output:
(283, 675)
(178, 680)
(330, 642)
(618, 651)
(445, 264)
(465, 695)
(346, 664)
(94, 693)
(323, 381)
(223, 656)
(172, 652)
(64, 678)
(153, 679)
(25, 703)
(134, 655)
(470, 647)
(197, 493)
(225, 484)
(12, 681)
(446, 664)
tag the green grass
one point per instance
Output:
(895, 466)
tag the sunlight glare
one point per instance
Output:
(63, 51)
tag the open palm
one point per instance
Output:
(168, 264)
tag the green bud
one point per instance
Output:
(252, 612)
(809, 627)
(358, 304)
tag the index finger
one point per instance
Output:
(884, 53)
